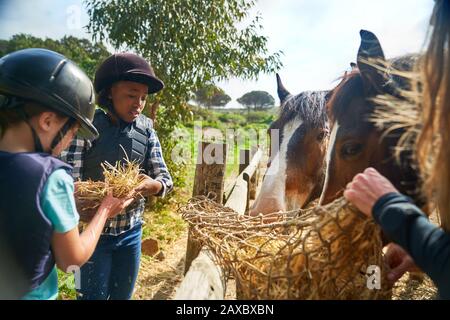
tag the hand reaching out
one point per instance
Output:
(399, 261)
(114, 205)
(148, 186)
(366, 188)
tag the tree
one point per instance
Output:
(211, 95)
(257, 100)
(3, 47)
(86, 54)
(220, 100)
(189, 43)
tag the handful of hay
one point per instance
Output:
(318, 253)
(120, 179)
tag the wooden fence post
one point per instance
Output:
(255, 178)
(209, 178)
(244, 159)
(245, 156)
(245, 182)
(205, 278)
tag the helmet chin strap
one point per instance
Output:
(59, 136)
(62, 132)
(37, 142)
(10, 102)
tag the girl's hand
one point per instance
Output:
(72, 249)
(399, 261)
(366, 188)
(114, 206)
(148, 186)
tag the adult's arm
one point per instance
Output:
(427, 244)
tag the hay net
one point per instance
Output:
(318, 253)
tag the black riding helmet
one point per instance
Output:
(48, 78)
(126, 66)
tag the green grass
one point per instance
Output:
(223, 120)
(66, 282)
(163, 225)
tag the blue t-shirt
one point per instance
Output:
(58, 204)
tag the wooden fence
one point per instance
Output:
(204, 280)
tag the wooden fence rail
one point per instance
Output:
(209, 178)
(240, 195)
(204, 280)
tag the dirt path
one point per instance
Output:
(158, 280)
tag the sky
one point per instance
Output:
(318, 38)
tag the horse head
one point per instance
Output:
(355, 143)
(298, 141)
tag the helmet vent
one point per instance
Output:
(57, 70)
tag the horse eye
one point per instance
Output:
(351, 149)
(321, 136)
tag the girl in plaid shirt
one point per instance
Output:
(122, 83)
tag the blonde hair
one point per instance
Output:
(433, 141)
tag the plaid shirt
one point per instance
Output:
(73, 155)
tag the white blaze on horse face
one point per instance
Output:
(272, 197)
(330, 149)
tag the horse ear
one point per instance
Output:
(370, 55)
(282, 92)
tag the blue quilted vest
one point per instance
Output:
(24, 227)
(133, 138)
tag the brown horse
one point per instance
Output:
(355, 143)
(296, 168)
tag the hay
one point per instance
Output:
(120, 179)
(317, 253)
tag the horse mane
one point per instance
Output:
(310, 106)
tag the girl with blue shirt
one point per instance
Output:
(44, 100)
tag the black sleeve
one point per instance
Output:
(409, 227)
